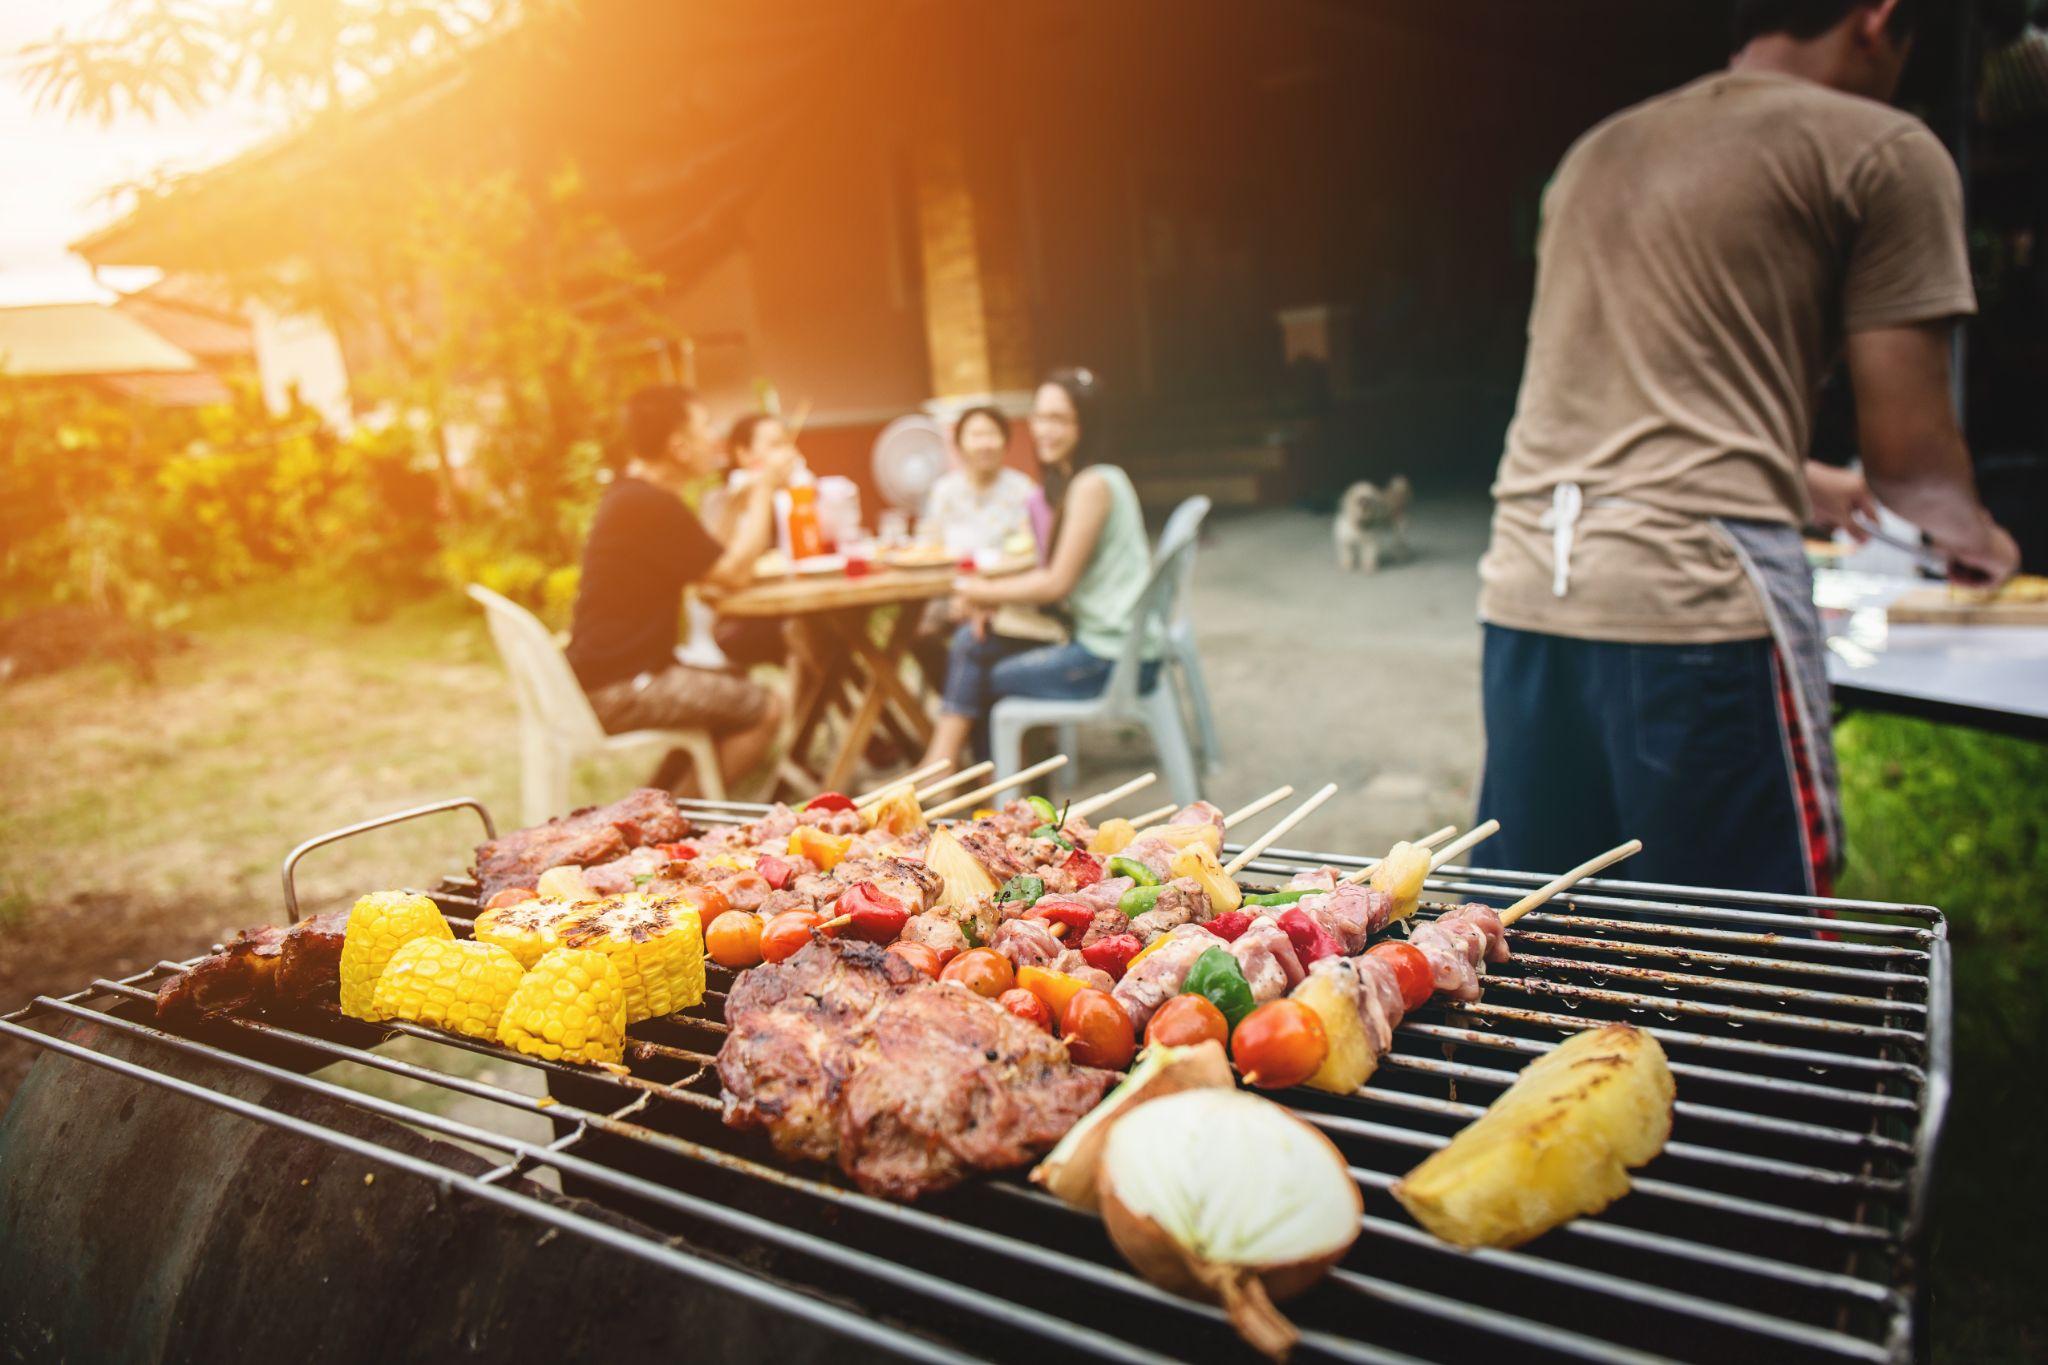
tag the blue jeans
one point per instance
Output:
(1589, 743)
(981, 672)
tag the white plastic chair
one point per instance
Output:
(1158, 710)
(556, 724)
(1183, 657)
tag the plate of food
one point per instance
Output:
(920, 557)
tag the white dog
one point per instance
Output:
(1372, 521)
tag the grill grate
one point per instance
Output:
(1787, 1213)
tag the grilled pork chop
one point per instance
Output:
(847, 1053)
(595, 834)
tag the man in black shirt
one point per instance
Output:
(645, 548)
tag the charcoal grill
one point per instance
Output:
(1787, 1217)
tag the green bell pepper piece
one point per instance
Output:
(1052, 832)
(1217, 978)
(1021, 888)
(1276, 897)
(1121, 866)
(1047, 812)
(1138, 900)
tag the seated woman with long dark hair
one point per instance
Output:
(1097, 570)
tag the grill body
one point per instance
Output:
(1785, 1219)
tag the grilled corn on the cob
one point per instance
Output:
(570, 1008)
(656, 942)
(454, 984)
(380, 924)
(527, 929)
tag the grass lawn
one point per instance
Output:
(144, 822)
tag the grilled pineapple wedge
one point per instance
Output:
(1400, 874)
(965, 879)
(1196, 860)
(1557, 1144)
(1331, 992)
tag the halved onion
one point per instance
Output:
(1224, 1196)
(1068, 1171)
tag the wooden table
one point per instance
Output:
(829, 616)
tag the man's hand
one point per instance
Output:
(1985, 564)
(1838, 497)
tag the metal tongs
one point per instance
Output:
(1924, 557)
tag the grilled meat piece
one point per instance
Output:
(1026, 942)
(1181, 901)
(235, 978)
(309, 965)
(633, 871)
(595, 834)
(1152, 982)
(1456, 942)
(939, 930)
(1266, 956)
(847, 1053)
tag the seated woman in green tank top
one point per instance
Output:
(1098, 568)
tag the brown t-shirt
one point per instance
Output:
(1702, 256)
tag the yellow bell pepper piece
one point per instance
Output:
(826, 850)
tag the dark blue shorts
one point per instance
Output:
(1589, 743)
(981, 671)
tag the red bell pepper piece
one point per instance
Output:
(877, 916)
(1085, 868)
(1112, 954)
(681, 853)
(1228, 927)
(1076, 915)
(775, 871)
(829, 801)
(1312, 942)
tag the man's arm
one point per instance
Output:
(1914, 455)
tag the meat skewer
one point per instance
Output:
(1016, 779)
(1362, 999)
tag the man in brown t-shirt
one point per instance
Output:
(1705, 257)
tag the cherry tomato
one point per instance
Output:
(1185, 1020)
(1411, 971)
(984, 971)
(922, 956)
(788, 932)
(511, 895)
(1281, 1043)
(711, 903)
(1027, 1007)
(1097, 1030)
(735, 940)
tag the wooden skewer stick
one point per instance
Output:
(1477, 835)
(1154, 815)
(1271, 798)
(1364, 874)
(1565, 879)
(913, 777)
(1059, 931)
(830, 924)
(959, 779)
(1293, 818)
(1016, 779)
(1114, 794)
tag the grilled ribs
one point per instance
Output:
(266, 965)
(595, 834)
(848, 1054)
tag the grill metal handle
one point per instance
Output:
(291, 860)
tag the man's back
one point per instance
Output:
(1702, 255)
